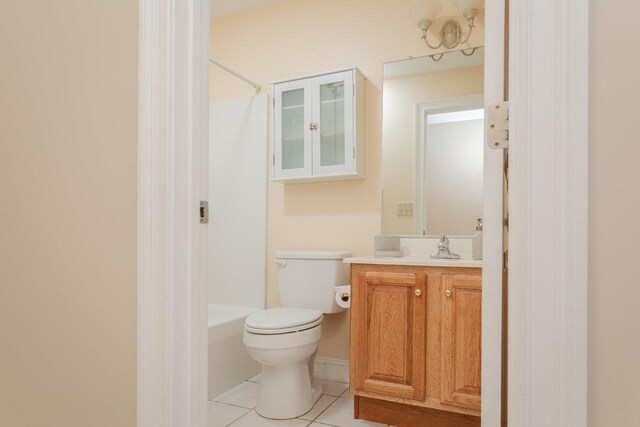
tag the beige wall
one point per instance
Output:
(300, 37)
(401, 95)
(614, 217)
(68, 102)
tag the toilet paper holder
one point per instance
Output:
(343, 296)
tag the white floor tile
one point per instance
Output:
(252, 419)
(244, 395)
(322, 404)
(340, 413)
(332, 388)
(347, 395)
(221, 415)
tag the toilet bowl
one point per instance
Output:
(284, 341)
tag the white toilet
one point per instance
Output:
(284, 340)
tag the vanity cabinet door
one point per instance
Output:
(388, 334)
(461, 340)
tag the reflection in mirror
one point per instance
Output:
(432, 145)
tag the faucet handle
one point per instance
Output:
(443, 249)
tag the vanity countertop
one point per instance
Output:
(416, 261)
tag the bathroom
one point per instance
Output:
(107, 241)
(258, 209)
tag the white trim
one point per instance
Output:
(308, 76)
(172, 292)
(326, 368)
(420, 178)
(548, 213)
(492, 241)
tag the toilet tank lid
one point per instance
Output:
(312, 254)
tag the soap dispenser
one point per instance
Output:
(476, 241)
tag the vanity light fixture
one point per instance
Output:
(425, 12)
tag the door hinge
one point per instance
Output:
(204, 212)
(273, 159)
(497, 119)
(354, 152)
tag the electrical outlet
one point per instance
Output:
(405, 209)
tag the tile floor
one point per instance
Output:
(235, 408)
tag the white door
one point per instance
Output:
(333, 144)
(292, 136)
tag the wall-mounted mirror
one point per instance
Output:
(432, 144)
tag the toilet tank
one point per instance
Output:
(306, 279)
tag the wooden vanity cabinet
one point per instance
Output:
(416, 344)
(390, 334)
(460, 338)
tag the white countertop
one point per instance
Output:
(415, 261)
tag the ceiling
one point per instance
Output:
(220, 8)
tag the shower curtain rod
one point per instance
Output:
(241, 77)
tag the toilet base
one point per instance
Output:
(286, 391)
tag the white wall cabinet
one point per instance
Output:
(318, 127)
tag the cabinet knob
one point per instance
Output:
(313, 126)
(418, 292)
(448, 293)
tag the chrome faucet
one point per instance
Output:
(443, 250)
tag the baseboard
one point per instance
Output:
(326, 368)
(401, 415)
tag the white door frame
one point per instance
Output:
(548, 204)
(548, 199)
(492, 214)
(173, 127)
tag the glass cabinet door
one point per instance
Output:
(292, 145)
(333, 115)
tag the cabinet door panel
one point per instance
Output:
(333, 111)
(292, 136)
(389, 333)
(461, 340)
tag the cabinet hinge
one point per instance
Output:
(273, 159)
(497, 118)
(354, 152)
(273, 102)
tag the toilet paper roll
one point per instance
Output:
(343, 296)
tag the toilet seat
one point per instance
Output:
(282, 320)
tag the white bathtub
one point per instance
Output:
(229, 362)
